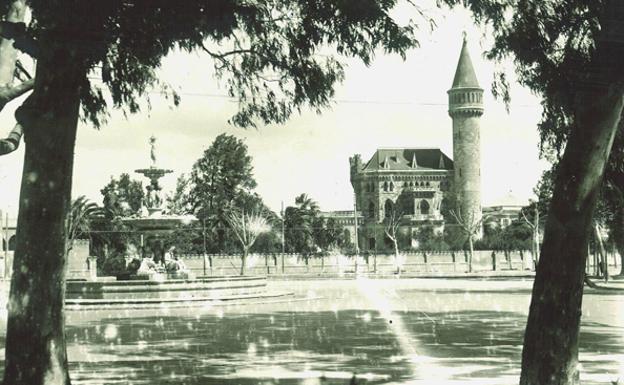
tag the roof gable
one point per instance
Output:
(409, 159)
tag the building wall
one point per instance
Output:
(418, 194)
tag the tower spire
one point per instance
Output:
(466, 108)
(464, 74)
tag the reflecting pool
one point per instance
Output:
(337, 332)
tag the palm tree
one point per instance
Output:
(80, 218)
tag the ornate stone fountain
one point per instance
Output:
(152, 220)
(140, 292)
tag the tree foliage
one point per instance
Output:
(266, 52)
(122, 197)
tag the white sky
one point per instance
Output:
(392, 103)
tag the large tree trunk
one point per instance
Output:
(35, 341)
(550, 354)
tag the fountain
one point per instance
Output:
(155, 285)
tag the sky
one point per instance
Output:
(391, 103)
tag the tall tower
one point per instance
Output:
(466, 108)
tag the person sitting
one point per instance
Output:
(147, 267)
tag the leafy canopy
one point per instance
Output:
(268, 52)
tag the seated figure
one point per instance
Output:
(147, 267)
(174, 265)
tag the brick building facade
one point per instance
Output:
(416, 182)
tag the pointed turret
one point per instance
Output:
(414, 163)
(441, 164)
(464, 74)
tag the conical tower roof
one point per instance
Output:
(464, 74)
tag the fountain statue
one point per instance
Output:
(153, 173)
(152, 222)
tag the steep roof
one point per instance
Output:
(404, 159)
(464, 74)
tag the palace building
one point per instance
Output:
(413, 184)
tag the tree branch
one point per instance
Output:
(11, 142)
(20, 69)
(9, 93)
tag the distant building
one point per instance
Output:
(7, 234)
(503, 212)
(414, 181)
(345, 219)
(411, 182)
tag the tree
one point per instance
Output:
(223, 173)
(566, 52)
(80, 219)
(122, 197)
(299, 223)
(471, 227)
(534, 221)
(267, 53)
(180, 202)
(391, 222)
(247, 228)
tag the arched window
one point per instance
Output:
(12, 243)
(391, 186)
(385, 186)
(424, 207)
(388, 208)
(347, 235)
(371, 210)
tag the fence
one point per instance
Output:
(420, 262)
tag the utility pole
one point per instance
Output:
(283, 230)
(355, 232)
(283, 236)
(204, 235)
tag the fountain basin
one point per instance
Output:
(143, 292)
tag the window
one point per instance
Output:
(391, 186)
(371, 210)
(424, 207)
(385, 186)
(388, 208)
